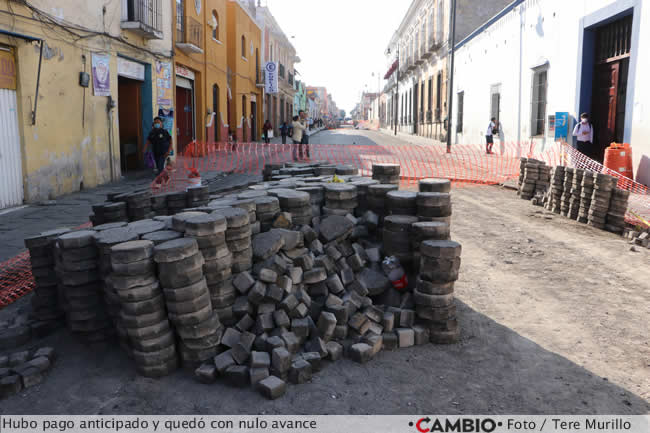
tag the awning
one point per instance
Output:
(391, 70)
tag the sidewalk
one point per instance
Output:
(412, 138)
(278, 139)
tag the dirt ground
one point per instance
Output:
(554, 318)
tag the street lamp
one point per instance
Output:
(396, 101)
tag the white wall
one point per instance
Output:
(534, 33)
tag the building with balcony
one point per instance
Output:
(300, 98)
(78, 91)
(417, 63)
(244, 47)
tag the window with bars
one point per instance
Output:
(459, 119)
(538, 100)
(495, 102)
(439, 96)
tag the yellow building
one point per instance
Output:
(79, 86)
(245, 97)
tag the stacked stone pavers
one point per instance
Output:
(604, 184)
(45, 302)
(576, 191)
(267, 207)
(616, 213)
(434, 185)
(346, 170)
(188, 300)
(139, 205)
(544, 180)
(209, 230)
(81, 289)
(554, 195)
(296, 203)
(531, 176)
(424, 231)
(386, 173)
(434, 292)
(396, 237)
(109, 212)
(376, 198)
(401, 202)
(340, 199)
(565, 200)
(104, 241)
(238, 238)
(522, 171)
(197, 196)
(159, 204)
(362, 185)
(586, 192)
(434, 206)
(316, 197)
(176, 202)
(143, 312)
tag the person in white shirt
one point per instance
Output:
(584, 133)
(493, 128)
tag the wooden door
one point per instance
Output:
(604, 107)
(130, 121)
(184, 123)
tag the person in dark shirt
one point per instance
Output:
(159, 141)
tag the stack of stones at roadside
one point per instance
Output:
(604, 184)
(238, 238)
(434, 206)
(530, 178)
(316, 197)
(267, 208)
(376, 199)
(434, 293)
(46, 305)
(565, 199)
(362, 194)
(139, 205)
(346, 170)
(81, 289)
(271, 170)
(554, 194)
(401, 202)
(542, 184)
(143, 327)
(24, 369)
(522, 171)
(295, 203)
(386, 173)
(576, 192)
(109, 212)
(176, 202)
(397, 237)
(209, 230)
(340, 199)
(104, 241)
(426, 231)
(197, 196)
(615, 221)
(586, 192)
(638, 237)
(159, 204)
(188, 300)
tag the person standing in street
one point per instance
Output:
(493, 129)
(159, 141)
(298, 133)
(584, 133)
(265, 130)
(284, 129)
(304, 148)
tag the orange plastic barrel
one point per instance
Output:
(618, 157)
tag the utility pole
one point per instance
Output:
(450, 97)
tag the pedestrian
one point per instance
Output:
(265, 130)
(159, 141)
(298, 132)
(304, 148)
(493, 129)
(584, 133)
(284, 129)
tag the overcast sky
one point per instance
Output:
(340, 42)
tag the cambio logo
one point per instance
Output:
(461, 425)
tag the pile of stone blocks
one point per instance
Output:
(109, 212)
(640, 237)
(554, 194)
(565, 200)
(615, 219)
(24, 369)
(604, 184)
(266, 306)
(197, 196)
(176, 202)
(586, 192)
(81, 288)
(386, 173)
(576, 192)
(529, 176)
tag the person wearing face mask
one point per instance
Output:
(584, 132)
(159, 141)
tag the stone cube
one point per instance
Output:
(280, 359)
(300, 327)
(243, 282)
(260, 360)
(291, 341)
(360, 352)
(389, 341)
(421, 335)
(258, 374)
(223, 361)
(206, 373)
(334, 350)
(405, 337)
(326, 325)
(237, 375)
(272, 387)
(300, 372)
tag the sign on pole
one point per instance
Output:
(271, 77)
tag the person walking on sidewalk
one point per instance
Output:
(265, 130)
(304, 148)
(584, 133)
(159, 141)
(284, 129)
(493, 129)
(298, 133)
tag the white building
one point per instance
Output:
(539, 57)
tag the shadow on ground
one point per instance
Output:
(492, 370)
